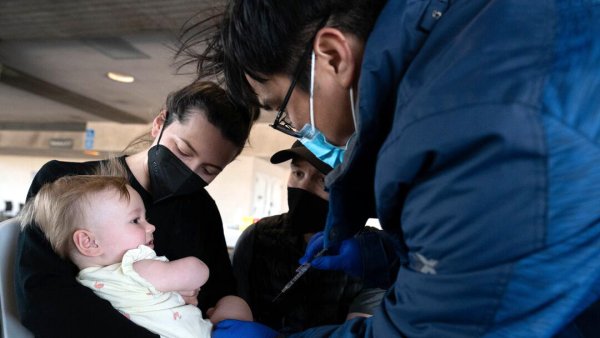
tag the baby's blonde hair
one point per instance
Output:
(58, 208)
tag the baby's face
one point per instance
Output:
(119, 225)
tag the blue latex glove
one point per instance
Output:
(231, 328)
(345, 257)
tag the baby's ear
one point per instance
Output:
(86, 244)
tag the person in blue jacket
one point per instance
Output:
(476, 131)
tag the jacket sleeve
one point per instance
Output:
(51, 302)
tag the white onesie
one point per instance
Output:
(164, 313)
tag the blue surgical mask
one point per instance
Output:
(313, 139)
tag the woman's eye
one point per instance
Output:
(183, 153)
(136, 220)
(209, 171)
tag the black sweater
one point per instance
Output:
(53, 304)
(265, 259)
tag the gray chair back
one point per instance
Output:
(9, 320)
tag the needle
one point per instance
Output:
(299, 272)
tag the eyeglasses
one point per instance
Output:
(282, 121)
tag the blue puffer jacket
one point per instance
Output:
(482, 132)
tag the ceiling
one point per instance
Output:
(54, 56)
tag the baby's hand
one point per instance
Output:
(190, 297)
(229, 307)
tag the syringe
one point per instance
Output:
(299, 272)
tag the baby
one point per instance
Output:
(98, 222)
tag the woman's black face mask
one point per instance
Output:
(307, 211)
(169, 176)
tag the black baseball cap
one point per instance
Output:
(298, 150)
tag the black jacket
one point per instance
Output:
(53, 304)
(265, 259)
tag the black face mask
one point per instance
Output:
(169, 176)
(307, 211)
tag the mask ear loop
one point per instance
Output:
(353, 108)
(162, 129)
(312, 91)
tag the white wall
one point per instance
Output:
(241, 195)
(16, 174)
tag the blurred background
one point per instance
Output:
(80, 79)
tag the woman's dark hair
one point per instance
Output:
(266, 37)
(231, 119)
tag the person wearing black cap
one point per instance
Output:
(267, 253)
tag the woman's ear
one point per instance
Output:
(158, 123)
(86, 244)
(335, 54)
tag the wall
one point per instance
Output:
(236, 193)
(16, 174)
